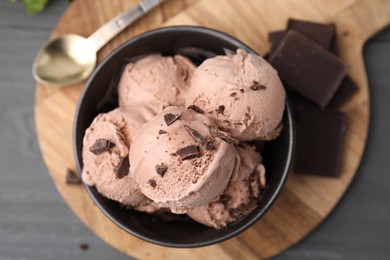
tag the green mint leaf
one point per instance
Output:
(34, 6)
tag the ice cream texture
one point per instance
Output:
(243, 92)
(240, 197)
(179, 161)
(156, 80)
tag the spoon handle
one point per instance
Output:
(109, 30)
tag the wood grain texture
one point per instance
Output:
(306, 200)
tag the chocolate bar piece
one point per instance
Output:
(322, 34)
(308, 68)
(344, 92)
(275, 38)
(320, 138)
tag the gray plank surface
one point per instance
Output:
(35, 222)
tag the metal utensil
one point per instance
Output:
(71, 58)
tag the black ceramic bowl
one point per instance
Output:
(100, 95)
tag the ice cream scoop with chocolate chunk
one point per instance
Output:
(242, 92)
(106, 157)
(178, 160)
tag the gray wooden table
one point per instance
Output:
(35, 222)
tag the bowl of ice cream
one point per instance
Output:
(183, 136)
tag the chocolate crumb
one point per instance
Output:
(233, 94)
(195, 134)
(188, 152)
(220, 109)
(257, 86)
(161, 132)
(196, 109)
(84, 246)
(123, 168)
(152, 183)
(101, 145)
(71, 177)
(225, 198)
(242, 90)
(171, 118)
(210, 145)
(161, 169)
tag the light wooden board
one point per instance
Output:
(306, 200)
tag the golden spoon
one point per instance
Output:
(71, 58)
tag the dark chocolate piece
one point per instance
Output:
(322, 34)
(123, 167)
(308, 68)
(227, 137)
(71, 177)
(196, 109)
(233, 94)
(257, 86)
(188, 152)
(101, 145)
(161, 132)
(345, 91)
(171, 118)
(320, 140)
(84, 246)
(210, 145)
(161, 169)
(220, 109)
(152, 183)
(274, 39)
(195, 134)
(225, 198)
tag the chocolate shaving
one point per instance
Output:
(257, 86)
(253, 183)
(196, 109)
(195, 134)
(220, 109)
(161, 132)
(161, 169)
(188, 152)
(209, 145)
(101, 145)
(171, 118)
(227, 137)
(233, 94)
(71, 177)
(152, 183)
(123, 168)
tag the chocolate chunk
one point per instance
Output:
(83, 246)
(171, 118)
(71, 177)
(308, 68)
(101, 145)
(345, 91)
(322, 34)
(210, 145)
(188, 152)
(233, 94)
(195, 134)
(320, 138)
(227, 137)
(275, 38)
(242, 90)
(257, 86)
(152, 183)
(220, 109)
(196, 109)
(161, 169)
(123, 168)
(161, 132)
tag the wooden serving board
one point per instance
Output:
(306, 200)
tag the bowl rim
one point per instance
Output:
(288, 113)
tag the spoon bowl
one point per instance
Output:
(65, 61)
